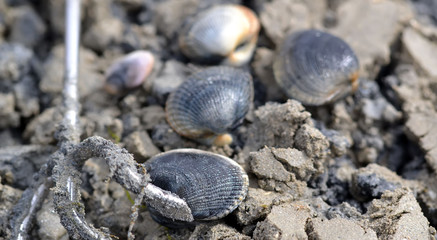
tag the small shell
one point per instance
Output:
(128, 72)
(211, 184)
(209, 104)
(225, 33)
(315, 67)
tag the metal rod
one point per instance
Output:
(72, 39)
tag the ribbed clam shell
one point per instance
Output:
(211, 184)
(128, 72)
(226, 32)
(210, 102)
(315, 67)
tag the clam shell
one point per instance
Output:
(315, 67)
(211, 184)
(210, 103)
(128, 72)
(225, 33)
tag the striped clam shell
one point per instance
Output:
(212, 185)
(210, 103)
(128, 72)
(223, 33)
(316, 68)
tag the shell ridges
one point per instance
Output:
(315, 67)
(210, 103)
(211, 184)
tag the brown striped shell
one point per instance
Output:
(210, 103)
(316, 68)
(223, 33)
(128, 72)
(212, 185)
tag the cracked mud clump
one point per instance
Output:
(364, 167)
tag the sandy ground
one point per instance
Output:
(364, 167)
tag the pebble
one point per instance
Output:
(9, 196)
(339, 143)
(8, 116)
(19, 170)
(216, 231)
(297, 162)
(131, 4)
(258, 204)
(130, 123)
(280, 17)
(421, 50)
(168, 24)
(41, 129)
(55, 12)
(99, 36)
(276, 125)
(27, 27)
(107, 201)
(342, 121)
(311, 141)
(338, 228)
(397, 215)
(372, 181)
(420, 112)
(49, 223)
(9, 136)
(173, 74)
(140, 144)
(145, 37)
(103, 124)
(423, 127)
(262, 65)
(167, 233)
(344, 210)
(428, 198)
(14, 62)
(265, 165)
(426, 10)
(285, 221)
(380, 109)
(90, 79)
(273, 174)
(151, 116)
(27, 96)
(165, 137)
(336, 180)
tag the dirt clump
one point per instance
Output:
(364, 166)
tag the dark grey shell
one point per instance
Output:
(210, 103)
(315, 67)
(211, 184)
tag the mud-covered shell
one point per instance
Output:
(210, 103)
(128, 72)
(211, 184)
(315, 67)
(223, 33)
